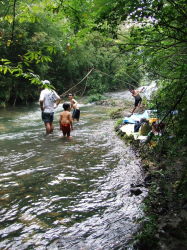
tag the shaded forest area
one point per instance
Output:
(60, 41)
(127, 42)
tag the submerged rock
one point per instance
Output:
(135, 191)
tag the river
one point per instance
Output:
(66, 194)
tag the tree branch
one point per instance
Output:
(175, 104)
(177, 7)
(14, 16)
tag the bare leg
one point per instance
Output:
(68, 135)
(140, 107)
(133, 110)
(49, 128)
(52, 127)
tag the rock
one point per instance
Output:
(127, 113)
(135, 191)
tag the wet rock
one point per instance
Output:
(103, 102)
(127, 113)
(135, 191)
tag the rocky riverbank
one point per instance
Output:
(165, 221)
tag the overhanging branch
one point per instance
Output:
(14, 17)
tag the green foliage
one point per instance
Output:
(172, 97)
(118, 122)
(146, 238)
(96, 97)
(58, 41)
(116, 113)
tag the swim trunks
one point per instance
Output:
(138, 100)
(76, 114)
(65, 127)
(47, 117)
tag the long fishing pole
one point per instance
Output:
(78, 82)
(93, 69)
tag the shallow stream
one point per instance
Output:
(66, 194)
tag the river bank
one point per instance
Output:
(165, 221)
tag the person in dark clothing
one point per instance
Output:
(137, 98)
(74, 106)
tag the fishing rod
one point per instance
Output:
(104, 73)
(63, 94)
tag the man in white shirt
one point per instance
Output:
(49, 100)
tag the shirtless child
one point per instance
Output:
(65, 121)
(74, 106)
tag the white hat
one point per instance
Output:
(45, 82)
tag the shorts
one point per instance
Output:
(65, 127)
(76, 114)
(47, 117)
(137, 101)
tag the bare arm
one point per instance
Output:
(142, 90)
(58, 101)
(41, 105)
(74, 104)
(71, 121)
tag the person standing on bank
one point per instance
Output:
(74, 106)
(137, 98)
(49, 100)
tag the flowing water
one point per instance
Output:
(66, 194)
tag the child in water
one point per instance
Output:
(74, 106)
(65, 121)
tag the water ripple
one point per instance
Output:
(62, 194)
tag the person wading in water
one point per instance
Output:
(74, 106)
(49, 100)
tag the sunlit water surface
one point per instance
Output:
(66, 194)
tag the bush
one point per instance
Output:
(96, 97)
(118, 123)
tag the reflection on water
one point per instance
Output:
(62, 194)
